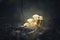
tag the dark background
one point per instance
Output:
(14, 12)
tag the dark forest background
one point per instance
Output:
(14, 12)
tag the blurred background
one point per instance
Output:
(13, 14)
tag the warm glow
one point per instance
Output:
(41, 17)
(30, 20)
(33, 22)
(35, 17)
